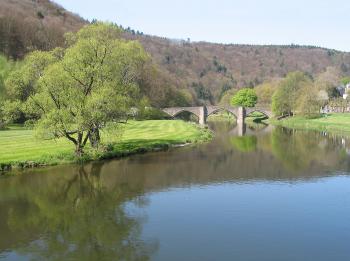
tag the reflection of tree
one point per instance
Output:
(82, 220)
(244, 143)
(298, 149)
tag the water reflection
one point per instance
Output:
(80, 212)
(72, 217)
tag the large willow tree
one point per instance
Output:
(85, 86)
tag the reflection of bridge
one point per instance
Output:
(243, 130)
(203, 112)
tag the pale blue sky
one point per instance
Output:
(323, 23)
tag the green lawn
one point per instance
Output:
(19, 145)
(336, 123)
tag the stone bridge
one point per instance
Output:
(203, 112)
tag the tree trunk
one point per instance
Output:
(94, 137)
(79, 150)
(79, 145)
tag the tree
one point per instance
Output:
(245, 97)
(265, 92)
(328, 81)
(93, 82)
(2, 120)
(309, 102)
(21, 82)
(284, 100)
(227, 96)
(6, 67)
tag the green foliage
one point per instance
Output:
(150, 114)
(77, 91)
(284, 100)
(12, 111)
(22, 82)
(265, 92)
(6, 66)
(245, 97)
(2, 118)
(308, 103)
(345, 80)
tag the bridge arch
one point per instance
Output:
(216, 110)
(213, 112)
(267, 113)
(182, 111)
(199, 112)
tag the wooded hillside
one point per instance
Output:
(211, 69)
(204, 71)
(27, 25)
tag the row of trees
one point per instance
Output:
(300, 93)
(297, 93)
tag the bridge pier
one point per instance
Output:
(241, 113)
(202, 116)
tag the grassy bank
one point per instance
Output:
(335, 123)
(20, 148)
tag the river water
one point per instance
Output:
(272, 194)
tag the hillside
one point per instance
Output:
(27, 25)
(203, 70)
(215, 68)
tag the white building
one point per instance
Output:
(346, 91)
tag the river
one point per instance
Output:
(272, 194)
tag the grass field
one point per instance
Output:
(336, 123)
(20, 147)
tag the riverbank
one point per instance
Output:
(338, 123)
(20, 148)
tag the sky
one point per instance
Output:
(324, 23)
